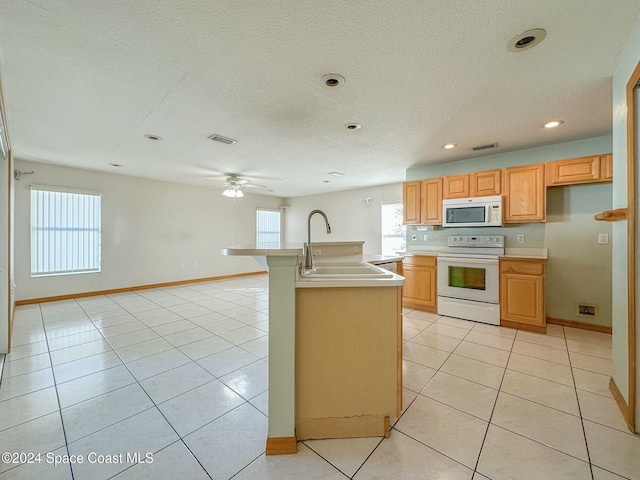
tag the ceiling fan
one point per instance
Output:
(234, 184)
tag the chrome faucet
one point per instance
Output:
(308, 261)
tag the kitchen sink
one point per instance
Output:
(345, 270)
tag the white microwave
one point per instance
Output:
(472, 212)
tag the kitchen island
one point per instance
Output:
(334, 346)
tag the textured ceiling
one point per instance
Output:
(85, 80)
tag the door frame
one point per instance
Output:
(631, 243)
(9, 251)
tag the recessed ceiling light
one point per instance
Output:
(526, 40)
(326, 181)
(553, 124)
(115, 164)
(353, 126)
(450, 145)
(333, 80)
(337, 174)
(153, 137)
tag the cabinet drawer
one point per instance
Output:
(523, 267)
(420, 260)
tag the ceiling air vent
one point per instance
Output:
(221, 139)
(485, 147)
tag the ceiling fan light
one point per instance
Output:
(233, 191)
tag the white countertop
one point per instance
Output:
(394, 281)
(378, 259)
(431, 250)
(538, 253)
(266, 249)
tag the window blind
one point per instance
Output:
(65, 231)
(267, 226)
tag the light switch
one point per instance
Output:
(603, 239)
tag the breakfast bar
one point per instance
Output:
(335, 344)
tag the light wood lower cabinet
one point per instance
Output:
(522, 294)
(348, 361)
(420, 290)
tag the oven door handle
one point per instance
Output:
(479, 261)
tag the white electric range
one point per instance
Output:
(468, 278)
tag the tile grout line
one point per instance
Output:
(486, 432)
(575, 389)
(155, 406)
(420, 393)
(55, 385)
(246, 401)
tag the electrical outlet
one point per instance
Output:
(317, 251)
(181, 265)
(426, 237)
(195, 264)
(355, 249)
(520, 238)
(603, 239)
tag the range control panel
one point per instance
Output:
(476, 241)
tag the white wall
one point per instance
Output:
(149, 228)
(350, 217)
(626, 64)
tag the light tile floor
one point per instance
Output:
(181, 372)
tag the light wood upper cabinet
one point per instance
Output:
(420, 291)
(456, 186)
(524, 194)
(431, 202)
(411, 202)
(606, 167)
(486, 183)
(422, 202)
(573, 171)
(522, 302)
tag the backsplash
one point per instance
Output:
(534, 235)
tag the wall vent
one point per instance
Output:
(219, 138)
(485, 147)
(586, 310)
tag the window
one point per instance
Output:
(65, 231)
(267, 226)
(393, 231)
